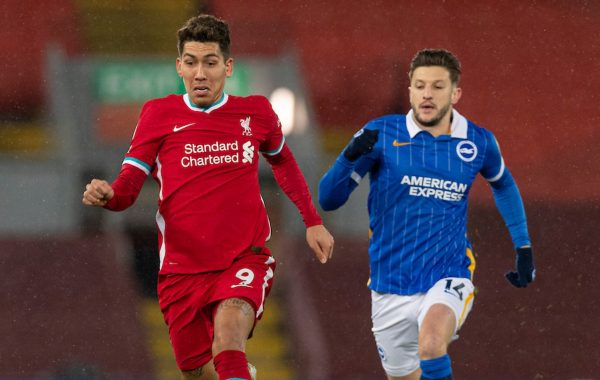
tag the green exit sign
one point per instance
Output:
(139, 81)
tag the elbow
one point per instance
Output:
(327, 203)
(330, 196)
(325, 200)
(326, 206)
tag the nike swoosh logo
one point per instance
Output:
(176, 128)
(396, 143)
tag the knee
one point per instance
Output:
(194, 374)
(227, 340)
(233, 322)
(431, 346)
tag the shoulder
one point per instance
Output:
(485, 141)
(478, 134)
(387, 121)
(169, 100)
(251, 102)
(393, 126)
(256, 99)
(256, 106)
(162, 105)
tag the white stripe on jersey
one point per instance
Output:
(160, 221)
(135, 163)
(268, 276)
(159, 177)
(268, 220)
(499, 175)
(276, 151)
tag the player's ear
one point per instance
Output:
(229, 67)
(178, 66)
(456, 94)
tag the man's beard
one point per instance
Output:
(435, 121)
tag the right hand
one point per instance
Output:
(97, 193)
(362, 143)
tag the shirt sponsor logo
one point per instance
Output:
(177, 129)
(216, 153)
(466, 150)
(434, 188)
(248, 152)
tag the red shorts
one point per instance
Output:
(187, 302)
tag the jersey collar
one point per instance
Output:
(458, 128)
(218, 104)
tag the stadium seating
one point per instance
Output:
(70, 302)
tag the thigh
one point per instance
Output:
(396, 333)
(249, 278)
(456, 293)
(187, 303)
(184, 302)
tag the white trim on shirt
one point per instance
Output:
(458, 128)
(218, 104)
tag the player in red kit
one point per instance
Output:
(202, 149)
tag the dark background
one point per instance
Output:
(530, 74)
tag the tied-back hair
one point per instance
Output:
(204, 28)
(436, 57)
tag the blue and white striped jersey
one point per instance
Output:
(418, 199)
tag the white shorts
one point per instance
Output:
(397, 319)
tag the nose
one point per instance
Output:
(199, 74)
(427, 93)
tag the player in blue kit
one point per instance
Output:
(421, 167)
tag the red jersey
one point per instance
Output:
(205, 161)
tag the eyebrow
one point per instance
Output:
(210, 55)
(433, 81)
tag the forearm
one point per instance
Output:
(510, 205)
(337, 184)
(292, 182)
(126, 188)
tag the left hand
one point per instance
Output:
(321, 242)
(525, 270)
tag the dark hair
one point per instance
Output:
(204, 28)
(436, 57)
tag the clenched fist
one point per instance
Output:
(97, 193)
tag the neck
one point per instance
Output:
(443, 127)
(440, 129)
(204, 108)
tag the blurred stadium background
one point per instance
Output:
(78, 297)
